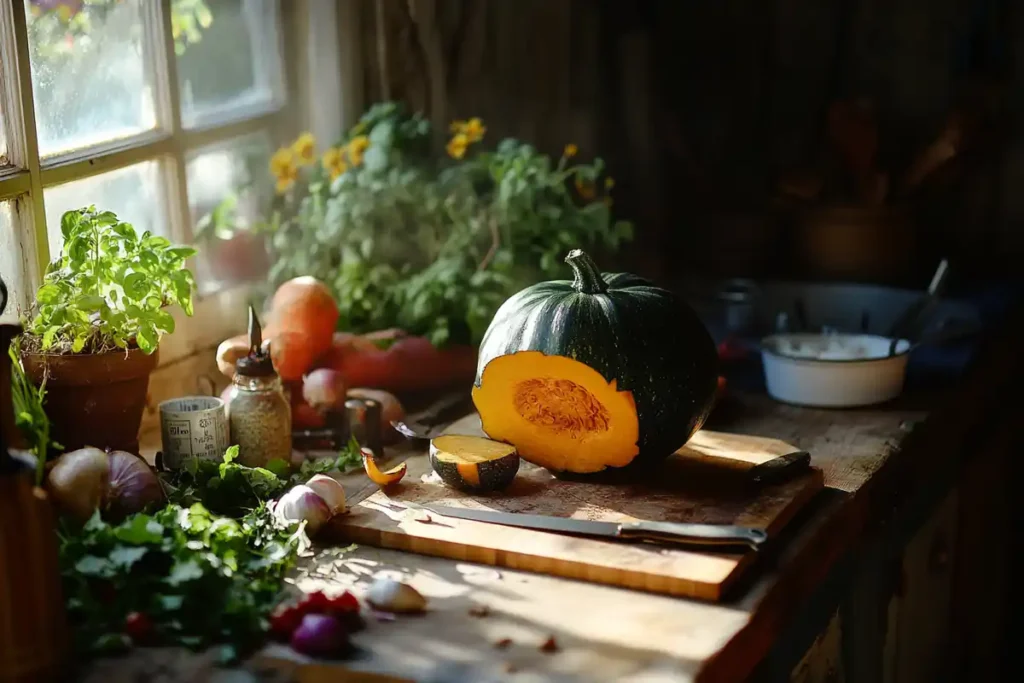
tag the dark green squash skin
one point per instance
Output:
(642, 336)
(494, 474)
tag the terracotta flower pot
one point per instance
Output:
(873, 244)
(94, 399)
(240, 258)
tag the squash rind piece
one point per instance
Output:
(472, 463)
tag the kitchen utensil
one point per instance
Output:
(835, 371)
(193, 427)
(941, 151)
(780, 468)
(431, 422)
(666, 532)
(708, 481)
(911, 322)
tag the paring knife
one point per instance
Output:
(665, 532)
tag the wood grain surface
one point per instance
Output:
(703, 482)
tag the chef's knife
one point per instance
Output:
(665, 532)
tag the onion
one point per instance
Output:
(320, 635)
(302, 503)
(78, 482)
(330, 490)
(324, 389)
(117, 483)
(133, 486)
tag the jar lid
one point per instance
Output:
(258, 363)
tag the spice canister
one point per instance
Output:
(259, 413)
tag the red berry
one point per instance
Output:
(314, 603)
(346, 602)
(284, 620)
(138, 627)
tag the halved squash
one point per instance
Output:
(381, 479)
(601, 372)
(473, 463)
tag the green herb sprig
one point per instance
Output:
(110, 287)
(198, 579)
(29, 415)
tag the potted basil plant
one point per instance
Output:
(96, 325)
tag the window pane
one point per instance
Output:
(15, 264)
(239, 37)
(228, 252)
(133, 193)
(89, 73)
(4, 161)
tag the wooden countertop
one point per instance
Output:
(872, 461)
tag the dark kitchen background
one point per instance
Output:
(852, 140)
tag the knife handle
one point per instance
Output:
(696, 534)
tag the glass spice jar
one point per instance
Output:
(259, 413)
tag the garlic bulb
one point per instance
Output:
(330, 490)
(302, 503)
(389, 595)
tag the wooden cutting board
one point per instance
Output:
(703, 482)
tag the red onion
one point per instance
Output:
(320, 635)
(324, 389)
(133, 486)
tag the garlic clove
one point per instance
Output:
(332, 492)
(389, 595)
(302, 503)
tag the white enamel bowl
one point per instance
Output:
(834, 370)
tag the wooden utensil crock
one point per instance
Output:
(33, 621)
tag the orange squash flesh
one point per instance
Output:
(381, 479)
(557, 412)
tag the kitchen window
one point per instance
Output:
(151, 109)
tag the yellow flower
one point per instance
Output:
(284, 169)
(474, 130)
(282, 159)
(609, 183)
(304, 148)
(570, 151)
(457, 127)
(334, 162)
(457, 146)
(584, 187)
(287, 178)
(356, 147)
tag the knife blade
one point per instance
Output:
(665, 532)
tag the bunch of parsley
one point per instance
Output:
(197, 579)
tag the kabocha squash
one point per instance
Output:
(472, 463)
(601, 372)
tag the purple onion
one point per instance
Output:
(320, 635)
(133, 486)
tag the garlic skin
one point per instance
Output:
(302, 503)
(332, 492)
(389, 595)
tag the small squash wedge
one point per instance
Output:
(381, 479)
(601, 372)
(473, 463)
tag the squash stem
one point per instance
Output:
(588, 278)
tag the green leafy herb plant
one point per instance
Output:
(432, 243)
(109, 289)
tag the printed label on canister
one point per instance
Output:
(193, 427)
